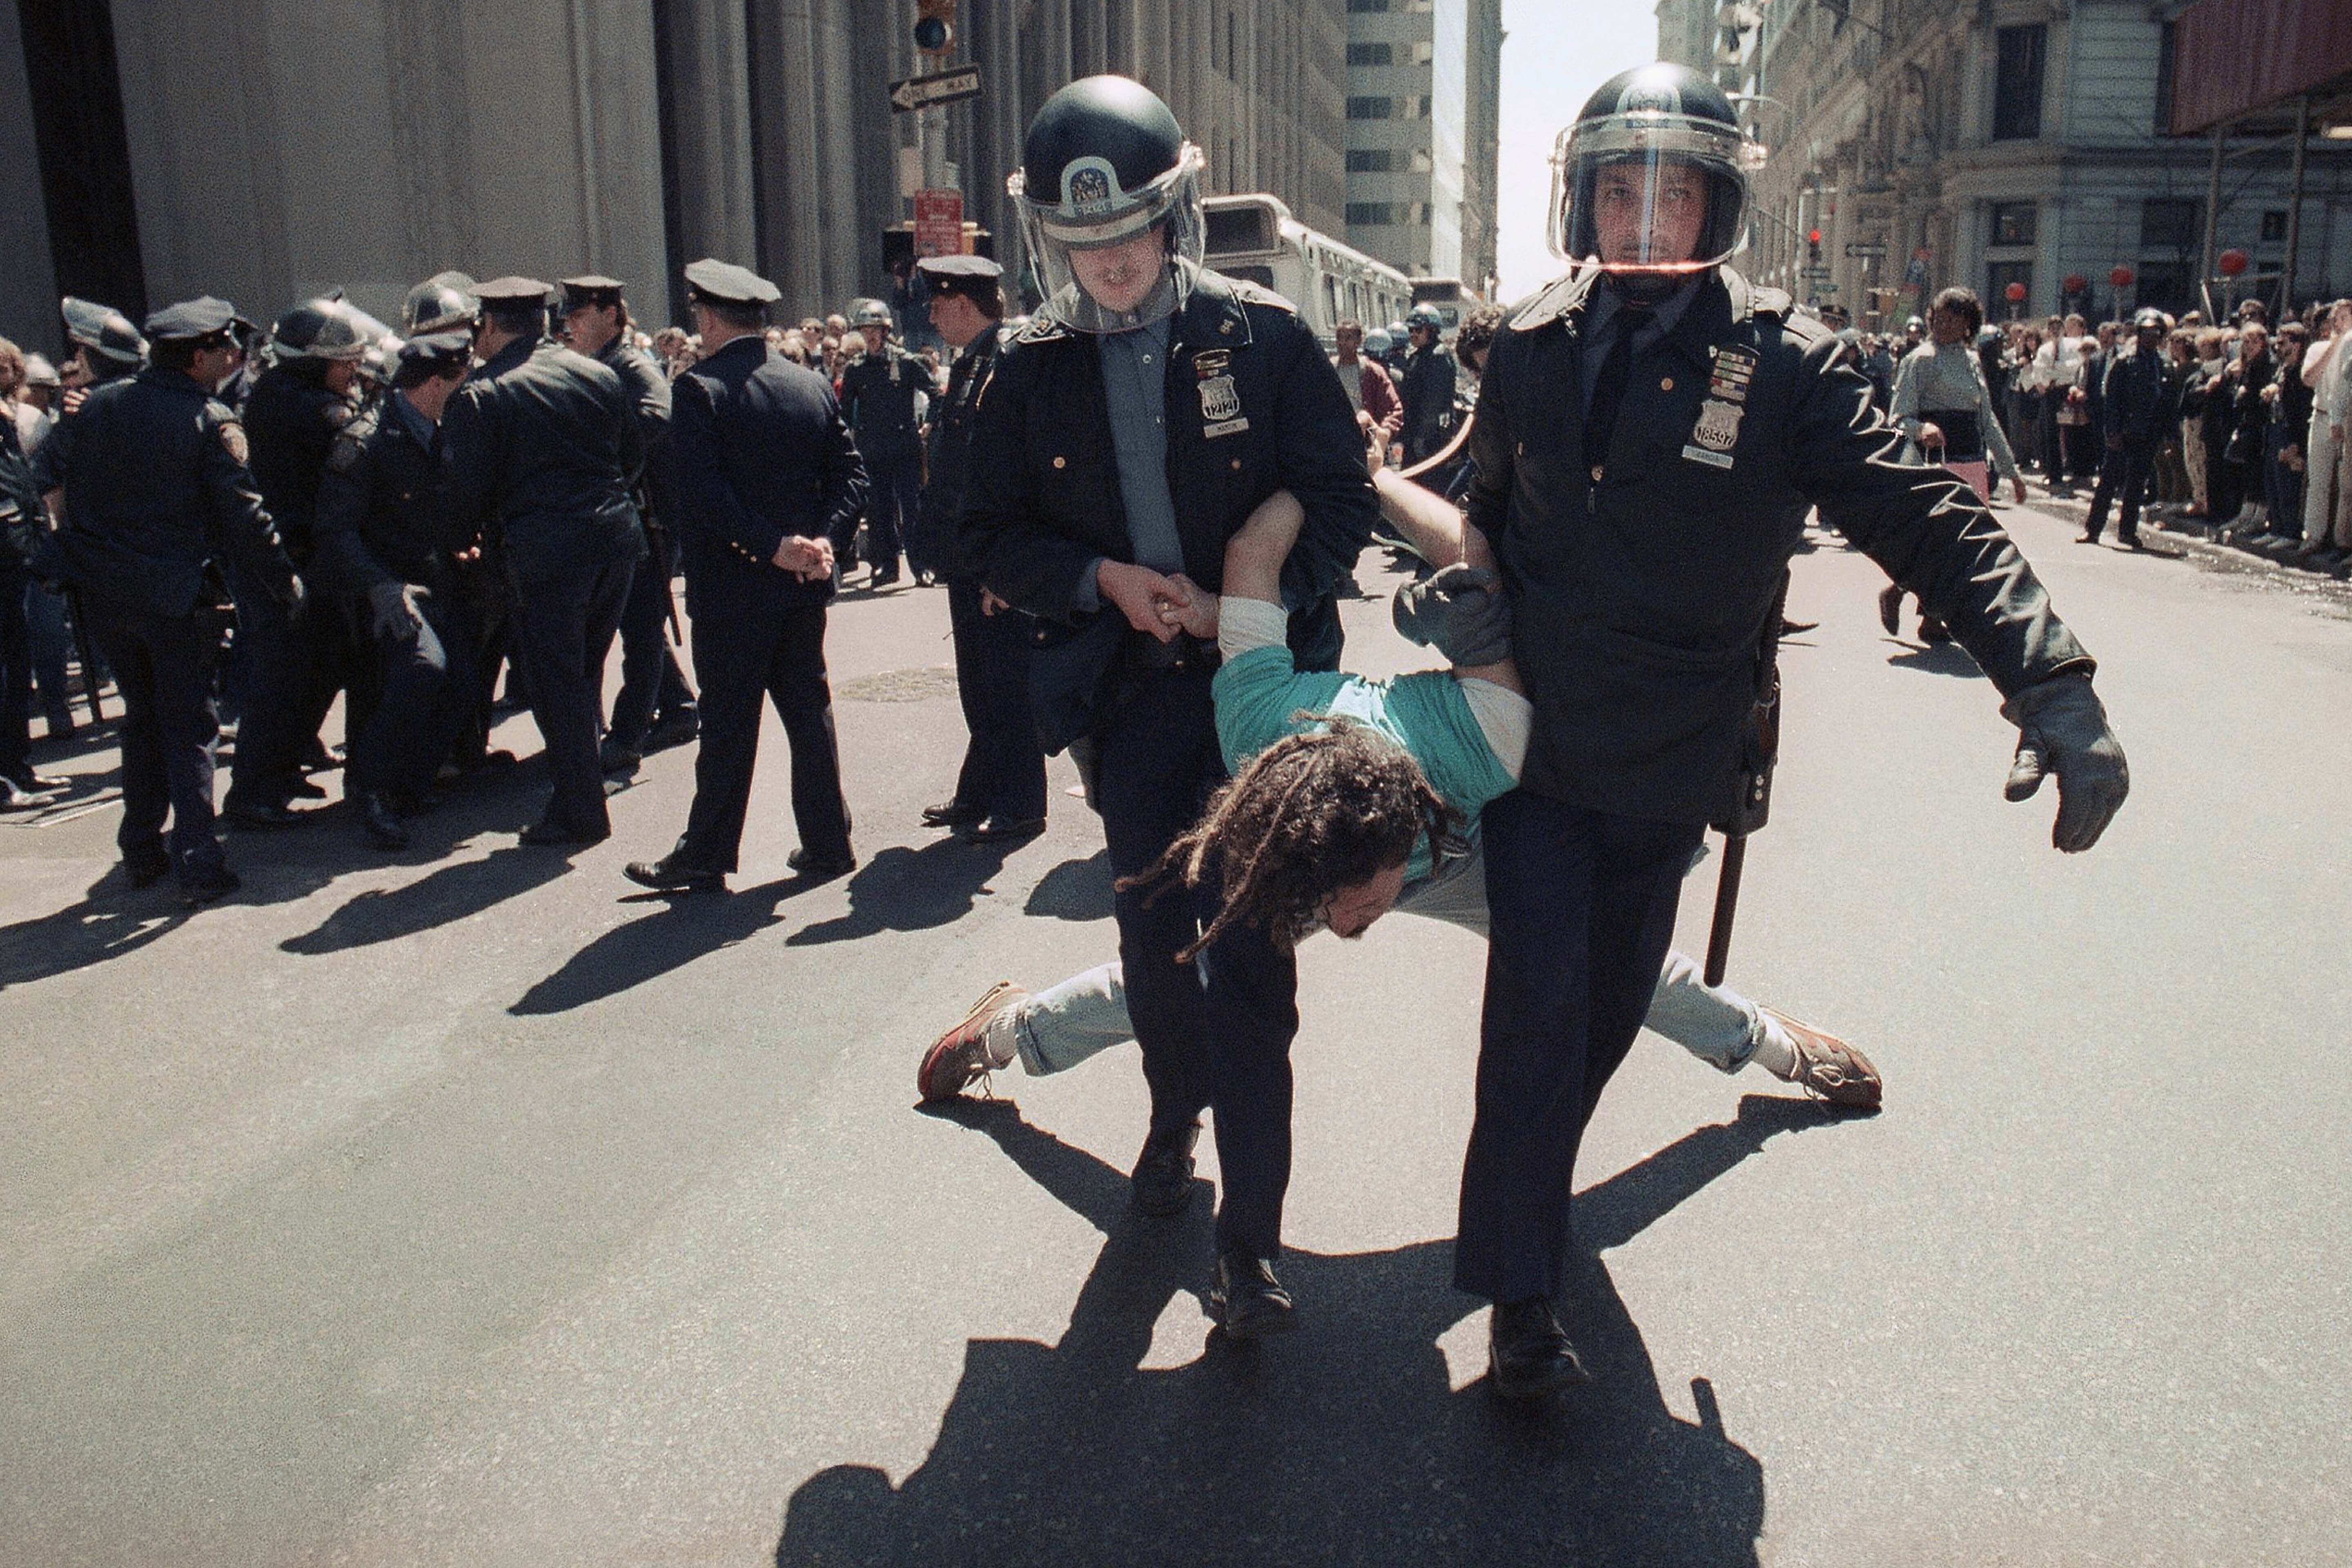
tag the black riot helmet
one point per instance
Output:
(323, 329)
(442, 303)
(1674, 133)
(1104, 161)
(106, 333)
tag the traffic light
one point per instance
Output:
(1814, 247)
(934, 27)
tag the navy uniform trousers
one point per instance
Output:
(565, 616)
(749, 647)
(1004, 772)
(1581, 905)
(163, 667)
(1215, 1032)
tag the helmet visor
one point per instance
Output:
(1655, 193)
(1110, 261)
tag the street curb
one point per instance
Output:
(2199, 544)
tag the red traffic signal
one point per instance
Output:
(2014, 293)
(1813, 236)
(2230, 262)
(934, 27)
(2120, 275)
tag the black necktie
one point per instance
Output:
(1609, 389)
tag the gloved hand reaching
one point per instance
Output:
(2062, 728)
(393, 614)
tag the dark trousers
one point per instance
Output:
(292, 671)
(749, 649)
(45, 616)
(1218, 1031)
(16, 677)
(651, 682)
(893, 501)
(2225, 485)
(1582, 905)
(1004, 772)
(2282, 486)
(564, 619)
(2123, 467)
(163, 669)
(410, 705)
(2079, 444)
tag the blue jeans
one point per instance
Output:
(1583, 910)
(1056, 1029)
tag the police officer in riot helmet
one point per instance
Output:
(1651, 433)
(443, 302)
(1427, 390)
(149, 483)
(880, 394)
(1127, 434)
(296, 408)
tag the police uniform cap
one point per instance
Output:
(728, 284)
(590, 290)
(203, 316)
(39, 372)
(961, 274)
(442, 351)
(512, 292)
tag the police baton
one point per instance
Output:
(1759, 749)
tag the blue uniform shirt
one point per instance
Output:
(1135, 381)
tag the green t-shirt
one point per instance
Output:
(1261, 696)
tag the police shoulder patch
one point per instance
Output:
(1250, 293)
(232, 440)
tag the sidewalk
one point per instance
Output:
(2201, 542)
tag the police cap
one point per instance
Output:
(2147, 316)
(203, 316)
(961, 274)
(39, 372)
(580, 293)
(512, 292)
(724, 283)
(102, 330)
(441, 352)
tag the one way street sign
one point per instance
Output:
(940, 87)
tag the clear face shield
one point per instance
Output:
(1110, 260)
(1650, 195)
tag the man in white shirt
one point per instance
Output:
(2326, 367)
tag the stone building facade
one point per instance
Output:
(2002, 141)
(268, 150)
(1425, 82)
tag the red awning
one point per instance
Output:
(2233, 58)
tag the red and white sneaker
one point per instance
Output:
(959, 1057)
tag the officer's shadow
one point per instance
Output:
(911, 889)
(678, 930)
(111, 921)
(1344, 1443)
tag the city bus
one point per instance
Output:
(1255, 237)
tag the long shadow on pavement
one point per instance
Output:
(1075, 890)
(680, 929)
(1934, 658)
(911, 889)
(1345, 1442)
(111, 920)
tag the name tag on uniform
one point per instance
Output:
(1221, 407)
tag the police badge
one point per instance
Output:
(1221, 407)
(1718, 430)
(232, 439)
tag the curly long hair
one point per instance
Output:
(1312, 814)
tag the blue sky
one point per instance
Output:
(1555, 52)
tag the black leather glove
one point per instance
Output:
(1461, 612)
(2062, 728)
(393, 614)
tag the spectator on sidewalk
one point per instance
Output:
(2026, 387)
(2136, 400)
(2171, 482)
(1367, 381)
(2286, 424)
(2239, 388)
(2325, 366)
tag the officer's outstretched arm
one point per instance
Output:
(1931, 535)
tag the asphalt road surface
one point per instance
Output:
(466, 1206)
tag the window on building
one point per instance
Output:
(1370, 108)
(2170, 222)
(1370, 160)
(2012, 222)
(2021, 54)
(1417, 106)
(1423, 52)
(2169, 285)
(1371, 213)
(1421, 161)
(2167, 61)
(2274, 226)
(1367, 8)
(1370, 54)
